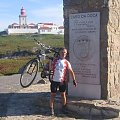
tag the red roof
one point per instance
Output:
(31, 24)
(45, 28)
(61, 27)
(48, 23)
(14, 24)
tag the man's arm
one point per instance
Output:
(72, 74)
(73, 77)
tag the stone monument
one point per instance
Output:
(92, 32)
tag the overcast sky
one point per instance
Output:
(37, 11)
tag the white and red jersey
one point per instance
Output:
(59, 68)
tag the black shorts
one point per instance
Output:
(55, 85)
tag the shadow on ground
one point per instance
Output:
(18, 104)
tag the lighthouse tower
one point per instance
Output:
(22, 18)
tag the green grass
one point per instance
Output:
(26, 42)
(12, 43)
(11, 66)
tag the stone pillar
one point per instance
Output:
(109, 43)
(113, 50)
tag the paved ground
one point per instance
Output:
(9, 84)
(32, 103)
(17, 103)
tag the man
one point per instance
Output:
(59, 67)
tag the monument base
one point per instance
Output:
(86, 91)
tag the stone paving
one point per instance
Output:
(26, 105)
(32, 103)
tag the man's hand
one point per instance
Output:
(74, 83)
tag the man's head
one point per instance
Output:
(63, 52)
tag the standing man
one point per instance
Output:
(59, 67)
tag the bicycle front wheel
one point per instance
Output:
(29, 73)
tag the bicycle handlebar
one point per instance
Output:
(49, 48)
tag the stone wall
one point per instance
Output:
(109, 40)
(113, 49)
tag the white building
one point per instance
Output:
(49, 28)
(40, 28)
(61, 30)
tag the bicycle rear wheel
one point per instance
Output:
(29, 73)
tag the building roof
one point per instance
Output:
(15, 24)
(46, 23)
(31, 24)
(45, 28)
(61, 27)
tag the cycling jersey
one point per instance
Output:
(59, 68)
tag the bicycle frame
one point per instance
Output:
(36, 65)
(42, 56)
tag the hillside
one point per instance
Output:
(18, 43)
(14, 43)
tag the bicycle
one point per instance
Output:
(37, 64)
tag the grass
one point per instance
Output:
(11, 66)
(14, 43)
(26, 42)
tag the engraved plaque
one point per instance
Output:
(84, 49)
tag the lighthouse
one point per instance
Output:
(24, 28)
(22, 18)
